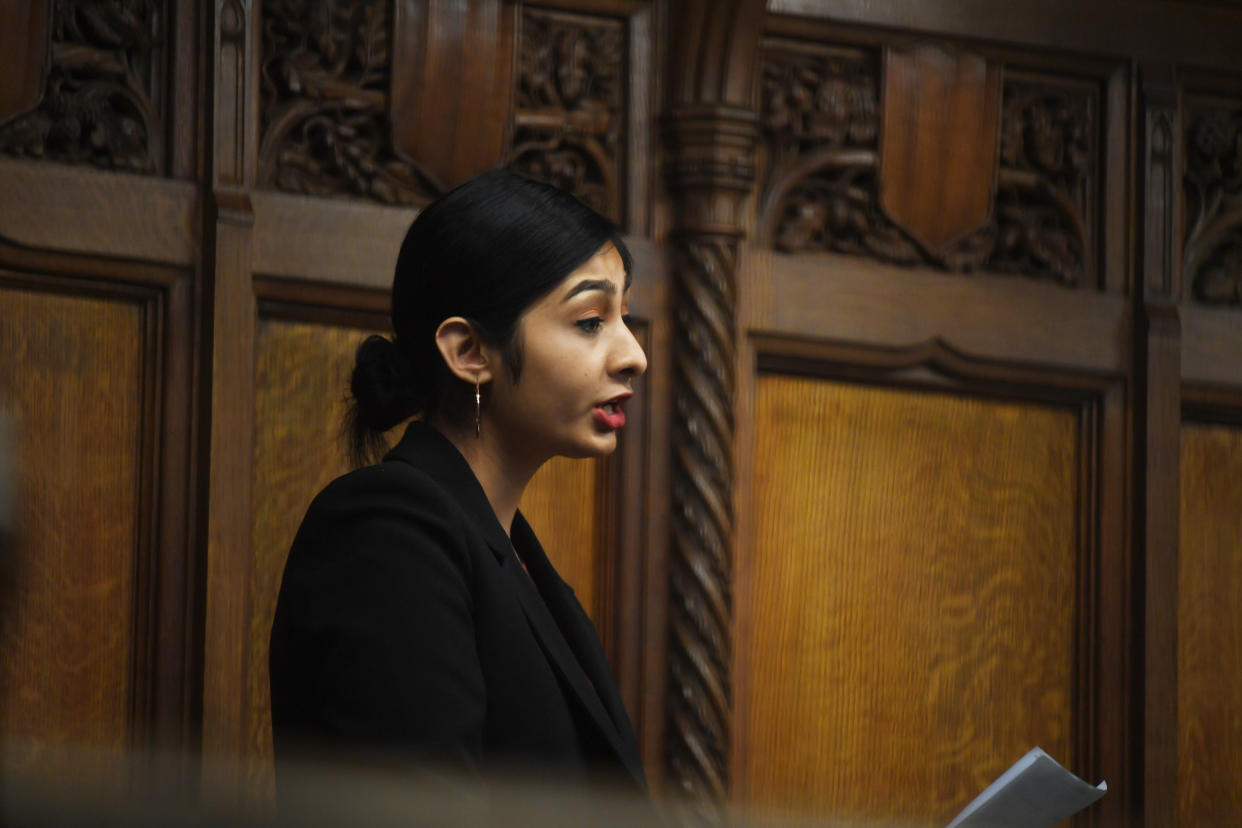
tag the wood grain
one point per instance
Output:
(300, 394)
(71, 386)
(561, 506)
(1209, 642)
(905, 614)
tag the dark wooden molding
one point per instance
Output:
(1157, 426)
(111, 214)
(1195, 34)
(710, 129)
(847, 298)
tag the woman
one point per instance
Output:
(418, 617)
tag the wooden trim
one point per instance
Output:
(303, 301)
(112, 214)
(327, 240)
(1210, 345)
(1144, 29)
(1006, 318)
(1212, 404)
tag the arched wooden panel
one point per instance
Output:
(906, 624)
(1209, 631)
(71, 381)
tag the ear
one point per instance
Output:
(463, 351)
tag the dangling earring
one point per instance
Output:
(478, 409)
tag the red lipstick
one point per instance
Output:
(609, 414)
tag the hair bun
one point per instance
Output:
(383, 385)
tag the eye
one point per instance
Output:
(628, 320)
(591, 325)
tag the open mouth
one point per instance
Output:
(609, 415)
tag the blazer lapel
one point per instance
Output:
(556, 618)
(572, 644)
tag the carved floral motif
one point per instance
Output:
(1213, 182)
(568, 127)
(325, 84)
(821, 192)
(101, 105)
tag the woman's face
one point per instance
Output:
(578, 362)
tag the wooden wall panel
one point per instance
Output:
(1209, 617)
(300, 393)
(561, 505)
(905, 615)
(71, 379)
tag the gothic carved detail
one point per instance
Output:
(325, 91)
(821, 125)
(569, 124)
(1212, 260)
(102, 104)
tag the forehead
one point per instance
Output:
(604, 266)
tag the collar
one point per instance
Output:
(425, 448)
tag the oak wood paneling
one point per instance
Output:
(906, 622)
(71, 379)
(1209, 633)
(561, 505)
(302, 380)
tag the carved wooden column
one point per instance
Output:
(711, 128)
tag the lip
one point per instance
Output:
(611, 420)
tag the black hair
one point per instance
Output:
(485, 251)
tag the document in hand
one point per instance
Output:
(1035, 793)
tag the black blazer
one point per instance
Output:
(405, 625)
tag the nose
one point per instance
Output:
(628, 357)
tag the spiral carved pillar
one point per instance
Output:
(710, 173)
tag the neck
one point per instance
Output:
(502, 474)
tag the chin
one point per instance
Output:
(600, 445)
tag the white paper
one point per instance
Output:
(1035, 792)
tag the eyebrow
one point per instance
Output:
(592, 284)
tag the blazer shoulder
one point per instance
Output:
(387, 509)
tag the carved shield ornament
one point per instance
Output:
(25, 35)
(452, 84)
(939, 143)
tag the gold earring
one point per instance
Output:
(478, 409)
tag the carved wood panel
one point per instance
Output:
(570, 123)
(324, 102)
(1212, 257)
(821, 125)
(104, 103)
